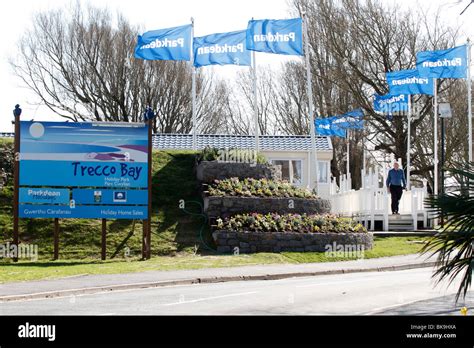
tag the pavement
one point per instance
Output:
(406, 292)
(90, 284)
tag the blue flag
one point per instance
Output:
(165, 44)
(337, 125)
(447, 64)
(325, 126)
(409, 82)
(282, 36)
(350, 120)
(225, 48)
(388, 104)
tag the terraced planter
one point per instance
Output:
(251, 242)
(224, 206)
(208, 171)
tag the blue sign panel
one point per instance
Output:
(108, 158)
(98, 196)
(84, 211)
(66, 173)
(44, 195)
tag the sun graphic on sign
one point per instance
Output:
(36, 130)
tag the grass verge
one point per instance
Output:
(27, 270)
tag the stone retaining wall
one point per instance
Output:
(225, 206)
(251, 242)
(208, 171)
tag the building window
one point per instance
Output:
(290, 170)
(323, 169)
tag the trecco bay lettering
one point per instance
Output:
(124, 170)
(157, 43)
(221, 49)
(277, 37)
(411, 80)
(442, 63)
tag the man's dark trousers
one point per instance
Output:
(396, 191)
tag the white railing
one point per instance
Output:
(373, 199)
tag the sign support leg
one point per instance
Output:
(56, 239)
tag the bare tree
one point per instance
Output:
(80, 63)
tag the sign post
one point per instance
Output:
(16, 113)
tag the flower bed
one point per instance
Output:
(257, 188)
(289, 223)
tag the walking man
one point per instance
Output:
(396, 183)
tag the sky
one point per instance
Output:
(210, 16)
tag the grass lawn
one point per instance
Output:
(43, 269)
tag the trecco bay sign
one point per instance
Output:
(83, 170)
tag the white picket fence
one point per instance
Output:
(372, 202)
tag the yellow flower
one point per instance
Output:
(464, 310)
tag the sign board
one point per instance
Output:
(83, 170)
(444, 110)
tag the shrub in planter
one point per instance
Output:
(257, 188)
(289, 223)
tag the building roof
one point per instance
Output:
(267, 142)
(167, 141)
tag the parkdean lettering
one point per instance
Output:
(411, 80)
(221, 49)
(442, 63)
(164, 43)
(277, 37)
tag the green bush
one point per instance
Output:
(273, 222)
(257, 188)
(7, 160)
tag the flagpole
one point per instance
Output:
(347, 153)
(255, 100)
(309, 88)
(469, 98)
(409, 142)
(193, 89)
(435, 174)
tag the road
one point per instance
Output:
(409, 292)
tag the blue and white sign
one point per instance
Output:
(222, 49)
(389, 104)
(409, 82)
(280, 36)
(165, 44)
(107, 197)
(83, 154)
(337, 125)
(44, 195)
(448, 64)
(106, 159)
(83, 212)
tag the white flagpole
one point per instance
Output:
(469, 97)
(435, 172)
(347, 153)
(255, 100)
(309, 89)
(408, 142)
(193, 89)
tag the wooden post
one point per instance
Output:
(104, 239)
(16, 179)
(56, 239)
(146, 241)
